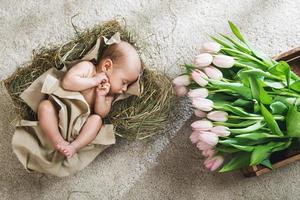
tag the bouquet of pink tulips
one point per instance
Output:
(247, 103)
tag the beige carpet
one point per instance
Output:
(170, 32)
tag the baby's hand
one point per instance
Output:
(100, 79)
(103, 89)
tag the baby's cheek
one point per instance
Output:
(113, 88)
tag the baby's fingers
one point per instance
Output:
(106, 85)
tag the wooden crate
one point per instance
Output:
(282, 158)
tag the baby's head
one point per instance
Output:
(122, 65)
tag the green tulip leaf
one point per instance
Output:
(226, 149)
(236, 143)
(274, 84)
(254, 87)
(262, 152)
(257, 136)
(259, 154)
(238, 45)
(258, 125)
(288, 101)
(239, 160)
(233, 109)
(236, 87)
(295, 86)
(259, 73)
(264, 97)
(258, 91)
(293, 122)
(241, 102)
(278, 107)
(282, 68)
(244, 123)
(236, 31)
(267, 163)
(221, 42)
(272, 124)
(260, 55)
(256, 52)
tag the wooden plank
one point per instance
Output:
(289, 55)
(279, 164)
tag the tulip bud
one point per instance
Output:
(209, 138)
(203, 60)
(194, 137)
(202, 125)
(198, 93)
(221, 131)
(209, 153)
(210, 47)
(223, 61)
(213, 163)
(202, 104)
(219, 116)
(200, 113)
(183, 80)
(200, 77)
(213, 73)
(180, 90)
(202, 146)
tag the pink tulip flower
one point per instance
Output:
(209, 138)
(219, 116)
(203, 104)
(200, 77)
(213, 163)
(202, 125)
(221, 131)
(180, 90)
(203, 60)
(200, 113)
(183, 80)
(198, 93)
(213, 73)
(223, 61)
(194, 137)
(210, 47)
(202, 146)
(209, 153)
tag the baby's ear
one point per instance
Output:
(107, 65)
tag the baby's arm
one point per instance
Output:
(102, 100)
(78, 77)
(102, 105)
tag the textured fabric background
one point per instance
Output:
(170, 33)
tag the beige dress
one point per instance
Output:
(35, 151)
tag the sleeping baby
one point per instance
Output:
(118, 67)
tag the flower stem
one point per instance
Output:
(284, 94)
(220, 90)
(281, 118)
(246, 55)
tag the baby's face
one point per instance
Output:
(122, 76)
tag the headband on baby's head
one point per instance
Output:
(115, 39)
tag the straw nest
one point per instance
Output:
(134, 117)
